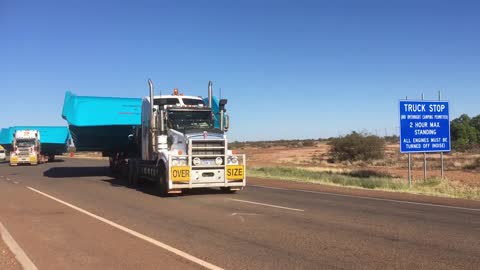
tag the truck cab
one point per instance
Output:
(3, 155)
(25, 147)
(181, 147)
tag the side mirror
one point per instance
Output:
(227, 122)
(222, 104)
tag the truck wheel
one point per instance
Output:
(162, 181)
(111, 166)
(132, 174)
(51, 158)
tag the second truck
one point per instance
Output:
(26, 148)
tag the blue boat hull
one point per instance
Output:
(102, 124)
(53, 140)
(106, 139)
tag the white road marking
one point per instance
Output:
(15, 182)
(240, 216)
(269, 205)
(370, 198)
(134, 233)
(20, 255)
(245, 214)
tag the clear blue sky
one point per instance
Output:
(290, 69)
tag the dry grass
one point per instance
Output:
(369, 179)
(459, 166)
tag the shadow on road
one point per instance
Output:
(57, 161)
(104, 175)
(71, 172)
(152, 188)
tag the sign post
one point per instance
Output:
(424, 128)
(409, 165)
(441, 153)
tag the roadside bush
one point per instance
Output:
(357, 146)
(465, 132)
(368, 174)
(392, 139)
(308, 143)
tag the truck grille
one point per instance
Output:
(207, 151)
(23, 151)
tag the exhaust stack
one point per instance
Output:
(210, 94)
(153, 124)
(222, 104)
(152, 113)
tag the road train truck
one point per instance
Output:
(179, 146)
(25, 148)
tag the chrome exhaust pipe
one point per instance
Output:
(152, 115)
(210, 94)
(153, 124)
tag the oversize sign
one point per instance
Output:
(424, 126)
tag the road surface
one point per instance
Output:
(71, 214)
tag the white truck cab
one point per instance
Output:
(180, 147)
(3, 156)
(25, 147)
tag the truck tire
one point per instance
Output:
(162, 184)
(111, 166)
(132, 173)
(51, 158)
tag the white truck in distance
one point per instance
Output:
(180, 148)
(3, 155)
(25, 147)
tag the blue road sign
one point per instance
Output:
(424, 126)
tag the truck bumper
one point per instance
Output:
(240, 185)
(233, 176)
(17, 160)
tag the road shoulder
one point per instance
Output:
(12, 257)
(357, 192)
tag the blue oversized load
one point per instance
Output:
(5, 137)
(54, 140)
(101, 123)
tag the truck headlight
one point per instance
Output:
(232, 160)
(219, 161)
(179, 162)
(196, 161)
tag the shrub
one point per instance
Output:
(357, 146)
(464, 132)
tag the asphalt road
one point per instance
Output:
(258, 228)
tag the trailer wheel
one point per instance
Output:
(132, 173)
(111, 166)
(162, 181)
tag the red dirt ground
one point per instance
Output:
(395, 164)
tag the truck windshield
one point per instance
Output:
(25, 143)
(190, 119)
(191, 101)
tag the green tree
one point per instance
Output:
(463, 134)
(475, 122)
(357, 146)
